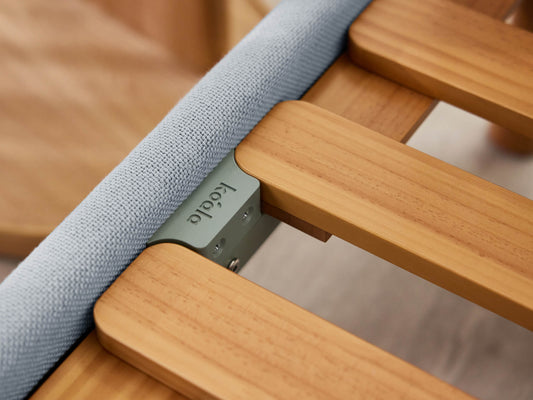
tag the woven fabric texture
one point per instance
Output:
(46, 303)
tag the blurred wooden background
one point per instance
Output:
(81, 82)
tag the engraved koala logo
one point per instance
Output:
(208, 207)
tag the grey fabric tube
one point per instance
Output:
(46, 303)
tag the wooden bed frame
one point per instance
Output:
(335, 162)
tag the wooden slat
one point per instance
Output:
(504, 138)
(450, 227)
(451, 53)
(91, 372)
(377, 103)
(212, 334)
(77, 92)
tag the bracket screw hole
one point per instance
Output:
(247, 215)
(219, 247)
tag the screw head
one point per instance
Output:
(234, 265)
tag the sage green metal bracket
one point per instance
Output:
(221, 219)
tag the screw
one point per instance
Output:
(234, 264)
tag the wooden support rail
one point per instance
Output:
(446, 225)
(91, 372)
(211, 334)
(378, 103)
(451, 53)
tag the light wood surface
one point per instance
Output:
(92, 373)
(447, 336)
(191, 30)
(198, 32)
(297, 223)
(451, 53)
(376, 102)
(212, 334)
(370, 100)
(241, 17)
(452, 228)
(72, 105)
(504, 138)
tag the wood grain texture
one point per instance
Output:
(91, 372)
(297, 223)
(451, 53)
(71, 107)
(370, 100)
(376, 102)
(504, 138)
(212, 334)
(450, 227)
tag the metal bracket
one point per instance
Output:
(221, 219)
